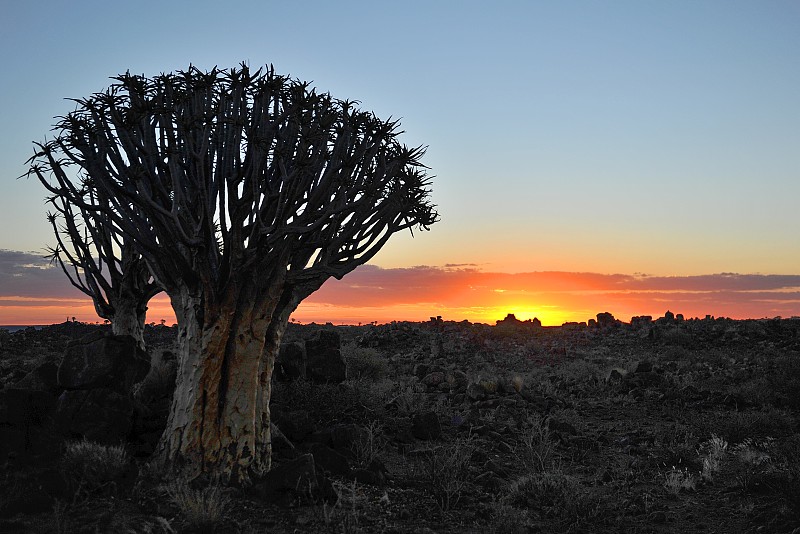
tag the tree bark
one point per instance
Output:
(128, 320)
(219, 421)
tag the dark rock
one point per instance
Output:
(329, 460)
(26, 407)
(475, 392)
(112, 362)
(298, 475)
(290, 364)
(616, 375)
(102, 415)
(426, 426)
(605, 320)
(561, 426)
(296, 425)
(344, 437)
(644, 366)
(42, 378)
(420, 370)
(324, 361)
(371, 478)
(460, 379)
(324, 490)
(26, 423)
(280, 443)
(433, 379)
(644, 380)
(32, 492)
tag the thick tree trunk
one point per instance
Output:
(219, 421)
(128, 320)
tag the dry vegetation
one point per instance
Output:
(670, 428)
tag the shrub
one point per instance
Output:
(508, 520)
(536, 449)
(364, 362)
(556, 497)
(714, 450)
(159, 381)
(677, 480)
(411, 399)
(742, 425)
(445, 471)
(202, 509)
(88, 466)
(369, 445)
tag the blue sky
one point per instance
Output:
(609, 137)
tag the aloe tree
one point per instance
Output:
(103, 265)
(244, 191)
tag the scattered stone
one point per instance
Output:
(475, 392)
(433, 379)
(102, 415)
(329, 460)
(98, 361)
(324, 361)
(26, 422)
(280, 443)
(297, 425)
(42, 378)
(297, 475)
(616, 375)
(420, 370)
(290, 364)
(425, 426)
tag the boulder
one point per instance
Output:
(345, 437)
(26, 423)
(425, 426)
(605, 320)
(109, 362)
(290, 364)
(324, 361)
(433, 379)
(102, 415)
(374, 474)
(295, 425)
(329, 460)
(298, 475)
(25, 407)
(280, 443)
(42, 378)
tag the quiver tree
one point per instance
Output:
(102, 264)
(244, 191)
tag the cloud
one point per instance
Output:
(29, 274)
(28, 284)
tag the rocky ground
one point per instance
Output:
(659, 426)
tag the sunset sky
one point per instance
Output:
(627, 156)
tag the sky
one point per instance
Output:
(626, 156)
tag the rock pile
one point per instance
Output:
(87, 395)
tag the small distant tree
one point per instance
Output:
(102, 264)
(244, 191)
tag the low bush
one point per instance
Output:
(202, 509)
(90, 467)
(555, 497)
(364, 362)
(445, 471)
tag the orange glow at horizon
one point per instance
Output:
(372, 294)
